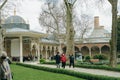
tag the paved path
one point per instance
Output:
(84, 70)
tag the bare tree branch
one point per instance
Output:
(3, 4)
(54, 17)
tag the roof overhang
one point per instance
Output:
(24, 33)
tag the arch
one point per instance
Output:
(56, 49)
(52, 51)
(64, 49)
(34, 50)
(85, 50)
(105, 50)
(43, 52)
(77, 49)
(48, 52)
(95, 50)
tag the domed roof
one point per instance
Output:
(14, 19)
(51, 37)
(99, 33)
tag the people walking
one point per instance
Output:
(57, 58)
(63, 60)
(5, 72)
(71, 58)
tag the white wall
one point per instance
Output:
(15, 48)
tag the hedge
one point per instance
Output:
(103, 67)
(71, 73)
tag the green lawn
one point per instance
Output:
(23, 73)
(118, 66)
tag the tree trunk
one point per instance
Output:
(1, 30)
(113, 58)
(70, 30)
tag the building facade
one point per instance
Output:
(22, 43)
(97, 43)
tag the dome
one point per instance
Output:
(51, 37)
(14, 19)
(99, 33)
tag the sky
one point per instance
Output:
(30, 10)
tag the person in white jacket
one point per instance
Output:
(5, 72)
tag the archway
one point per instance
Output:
(85, 50)
(43, 54)
(34, 50)
(52, 51)
(95, 50)
(105, 50)
(64, 49)
(76, 49)
(48, 53)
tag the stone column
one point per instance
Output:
(51, 54)
(21, 50)
(38, 52)
(100, 50)
(31, 47)
(41, 49)
(80, 49)
(36, 49)
(54, 50)
(46, 52)
(60, 46)
(90, 52)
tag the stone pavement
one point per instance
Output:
(84, 70)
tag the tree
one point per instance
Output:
(1, 6)
(55, 18)
(5, 4)
(113, 53)
(9, 6)
(1, 30)
(118, 35)
(84, 25)
(69, 26)
(113, 58)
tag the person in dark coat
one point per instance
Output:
(5, 72)
(57, 58)
(63, 60)
(71, 58)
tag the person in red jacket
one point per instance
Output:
(63, 60)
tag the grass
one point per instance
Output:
(23, 73)
(118, 66)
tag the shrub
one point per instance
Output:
(87, 58)
(42, 61)
(89, 66)
(118, 56)
(100, 57)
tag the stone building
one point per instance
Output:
(20, 42)
(97, 43)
